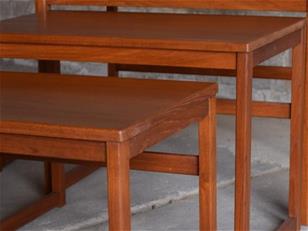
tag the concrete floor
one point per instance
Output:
(268, 208)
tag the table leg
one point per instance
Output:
(118, 187)
(296, 148)
(207, 170)
(58, 182)
(304, 215)
(243, 141)
(47, 66)
(113, 70)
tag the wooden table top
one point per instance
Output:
(94, 108)
(140, 30)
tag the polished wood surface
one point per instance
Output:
(65, 106)
(259, 108)
(236, 33)
(297, 129)
(207, 170)
(23, 100)
(305, 148)
(118, 186)
(170, 52)
(243, 140)
(164, 57)
(275, 5)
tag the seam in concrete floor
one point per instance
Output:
(151, 205)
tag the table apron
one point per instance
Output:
(179, 58)
(47, 147)
(274, 48)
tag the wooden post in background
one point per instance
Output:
(41, 8)
(112, 68)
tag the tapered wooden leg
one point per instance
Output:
(118, 187)
(207, 170)
(304, 215)
(298, 78)
(243, 141)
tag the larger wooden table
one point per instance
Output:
(200, 41)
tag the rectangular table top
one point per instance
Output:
(149, 30)
(94, 108)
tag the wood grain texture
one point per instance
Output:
(118, 186)
(150, 43)
(207, 170)
(177, 163)
(166, 163)
(47, 147)
(70, 108)
(243, 141)
(277, 47)
(259, 109)
(173, 121)
(120, 55)
(297, 111)
(271, 5)
(112, 29)
(41, 6)
(304, 212)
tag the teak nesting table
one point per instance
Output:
(112, 121)
(223, 42)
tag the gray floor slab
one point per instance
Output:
(269, 209)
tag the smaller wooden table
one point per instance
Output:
(107, 121)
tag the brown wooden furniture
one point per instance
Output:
(227, 44)
(260, 109)
(108, 121)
